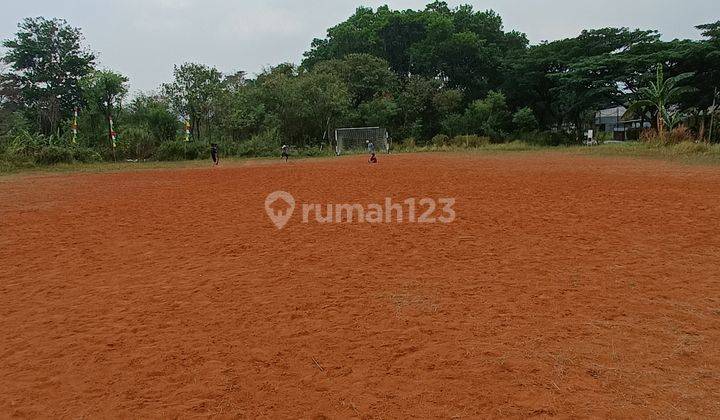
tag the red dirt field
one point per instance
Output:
(568, 286)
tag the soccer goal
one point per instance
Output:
(349, 140)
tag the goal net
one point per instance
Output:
(355, 140)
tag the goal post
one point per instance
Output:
(357, 139)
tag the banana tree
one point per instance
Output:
(671, 120)
(659, 94)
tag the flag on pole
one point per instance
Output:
(187, 129)
(113, 134)
(75, 127)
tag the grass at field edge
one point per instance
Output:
(683, 153)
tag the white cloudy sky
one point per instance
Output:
(144, 38)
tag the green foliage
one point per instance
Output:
(85, 155)
(659, 95)
(50, 155)
(365, 76)
(193, 94)
(547, 138)
(462, 45)
(408, 144)
(180, 150)
(104, 90)
(303, 105)
(103, 93)
(448, 101)
(380, 112)
(266, 143)
(524, 120)
(24, 148)
(470, 141)
(489, 117)
(440, 140)
(135, 142)
(152, 114)
(47, 86)
(439, 77)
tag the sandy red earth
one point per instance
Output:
(567, 286)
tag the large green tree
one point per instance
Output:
(461, 46)
(194, 93)
(305, 104)
(103, 92)
(47, 60)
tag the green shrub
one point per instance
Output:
(547, 138)
(690, 148)
(10, 163)
(524, 120)
(180, 150)
(50, 155)
(409, 143)
(314, 151)
(23, 143)
(470, 140)
(135, 142)
(440, 140)
(85, 155)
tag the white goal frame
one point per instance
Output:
(354, 139)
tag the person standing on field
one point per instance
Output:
(285, 152)
(215, 154)
(371, 150)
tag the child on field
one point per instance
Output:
(285, 152)
(371, 149)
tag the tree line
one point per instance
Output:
(426, 75)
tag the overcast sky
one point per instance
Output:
(145, 38)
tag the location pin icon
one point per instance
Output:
(280, 218)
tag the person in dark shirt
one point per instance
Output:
(285, 152)
(215, 153)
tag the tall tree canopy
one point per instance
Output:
(439, 71)
(47, 61)
(193, 92)
(461, 46)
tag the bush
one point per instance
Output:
(681, 134)
(23, 143)
(85, 155)
(470, 141)
(524, 120)
(264, 144)
(489, 116)
(650, 136)
(440, 140)
(135, 143)
(180, 150)
(690, 148)
(50, 155)
(314, 151)
(547, 138)
(633, 134)
(408, 143)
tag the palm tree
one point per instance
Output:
(659, 94)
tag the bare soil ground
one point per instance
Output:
(568, 286)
